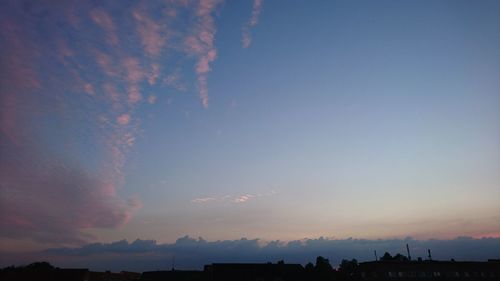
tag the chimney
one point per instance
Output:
(408, 250)
(430, 256)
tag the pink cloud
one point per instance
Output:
(203, 200)
(193, 45)
(174, 80)
(123, 119)
(129, 139)
(231, 198)
(200, 43)
(152, 35)
(155, 73)
(62, 199)
(112, 93)
(243, 198)
(134, 95)
(257, 7)
(105, 21)
(56, 199)
(254, 19)
(171, 79)
(207, 37)
(134, 73)
(246, 39)
(205, 7)
(203, 65)
(106, 63)
(89, 89)
(152, 99)
(203, 88)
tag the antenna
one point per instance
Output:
(430, 256)
(408, 250)
(376, 257)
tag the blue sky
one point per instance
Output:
(259, 119)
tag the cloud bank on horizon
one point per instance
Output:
(191, 253)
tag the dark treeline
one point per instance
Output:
(398, 267)
(322, 270)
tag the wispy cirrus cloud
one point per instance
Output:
(134, 75)
(237, 199)
(243, 198)
(106, 63)
(47, 197)
(152, 34)
(174, 80)
(154, 74)
(93, 71)
(203, 199)
(201, 44)
(254, 19)
(104, 20)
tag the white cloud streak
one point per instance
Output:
(254, 19)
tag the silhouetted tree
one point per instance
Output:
(348, 270)
(310, 273)
(40, 266)
(386, 257)
(348, 266)
(323, 269)
(34, 271)
(309, 267)
(399, 257)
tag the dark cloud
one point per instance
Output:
(190, 253)
(53, 200)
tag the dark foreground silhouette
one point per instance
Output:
(388, 267)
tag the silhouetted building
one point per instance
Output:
(112, 276)
(72, 274)
(44, 274)
(254, 272)
(429, 270)
(174, 275)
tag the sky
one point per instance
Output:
(260, 119)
